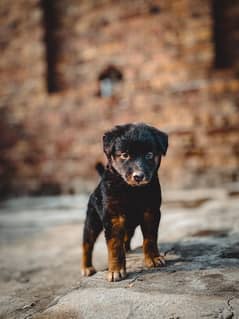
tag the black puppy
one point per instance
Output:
(128, 195)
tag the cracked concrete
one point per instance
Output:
(40, 262)
(229, 312)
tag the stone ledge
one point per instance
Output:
(40, 264)
(200, 280)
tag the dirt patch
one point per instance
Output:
(211, 232)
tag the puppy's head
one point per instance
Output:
(134, 151)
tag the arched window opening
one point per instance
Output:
(109, 79)
(226, 32)
(154, 9)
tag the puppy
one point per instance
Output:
(128, 195)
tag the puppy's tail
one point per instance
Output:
(100, 168)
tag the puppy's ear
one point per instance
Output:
(109, 138)
(108, 142)
(161, 140)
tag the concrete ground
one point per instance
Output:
(40, 261)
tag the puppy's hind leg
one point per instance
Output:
(149, 228)
(127, 239)
(92, 228)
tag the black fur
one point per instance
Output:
(100, 168)
(128, 195)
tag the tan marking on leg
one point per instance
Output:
(116, 250)
(87, 269)
(152, 257)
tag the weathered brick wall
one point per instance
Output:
(22, 88)
(165, 53)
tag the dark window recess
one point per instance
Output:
(51, 23)
(109, 80)
(226, 32)
(154, 9)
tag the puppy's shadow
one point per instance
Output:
(205, 251)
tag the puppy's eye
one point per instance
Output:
(124, 156)
(149, 155)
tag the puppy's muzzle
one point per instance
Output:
(138, 177)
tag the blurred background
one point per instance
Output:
(72, 69)
(69, 71)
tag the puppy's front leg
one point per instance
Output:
(149, 228)
(114, 234)
(92, 228)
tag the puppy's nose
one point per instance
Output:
(138, 177)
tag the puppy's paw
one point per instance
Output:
(116, 275)
(156, 261)
(88, 271)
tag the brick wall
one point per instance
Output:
(164, 53)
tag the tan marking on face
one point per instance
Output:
(134, 183)
(117, 164)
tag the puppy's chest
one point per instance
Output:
(135, 202)
(138, 202)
